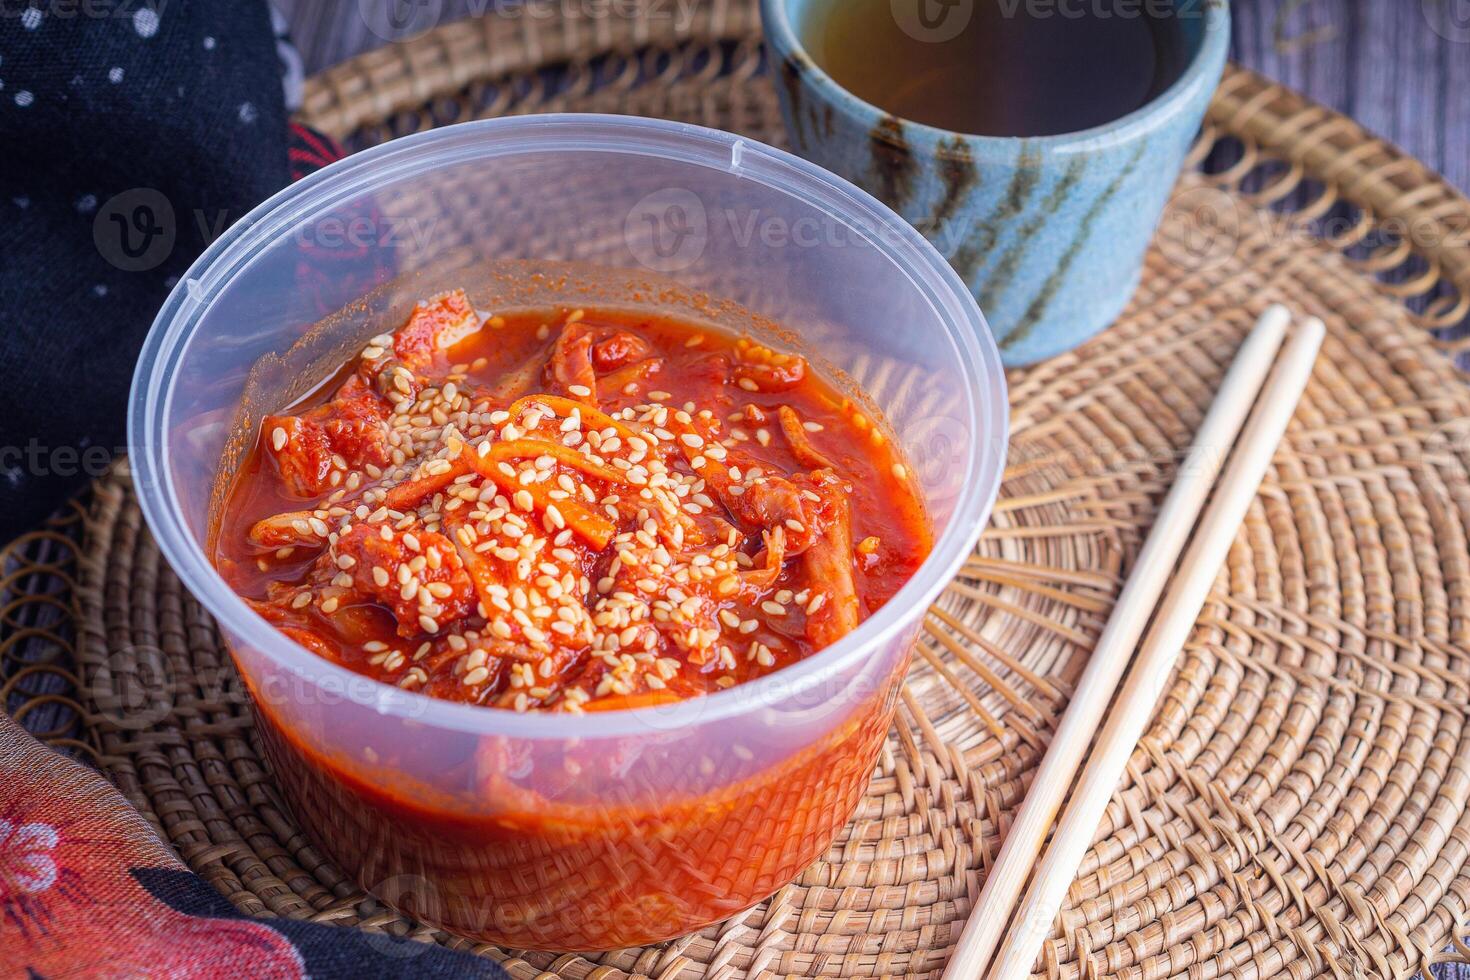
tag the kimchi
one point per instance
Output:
(570, 510)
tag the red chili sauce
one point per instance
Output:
(569, 510)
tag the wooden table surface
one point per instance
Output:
(1400, 67)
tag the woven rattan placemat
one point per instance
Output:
(1298, 807)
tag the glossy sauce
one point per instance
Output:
(674, 364)
(575, 843)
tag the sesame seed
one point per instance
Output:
(278, 438)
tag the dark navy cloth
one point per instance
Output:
(133, 134)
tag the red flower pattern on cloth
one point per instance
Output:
(26, 862)
(88, 890)
(71, 903)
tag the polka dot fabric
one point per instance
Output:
(134, 134)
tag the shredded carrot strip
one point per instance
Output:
(716, 474)
(587, 524)
(531, 448)
(411, 493)
(565, 407)
(642, 699)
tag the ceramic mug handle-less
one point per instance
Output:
(1048, 232)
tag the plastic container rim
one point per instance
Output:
(232, 254)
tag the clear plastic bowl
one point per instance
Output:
(555, 831)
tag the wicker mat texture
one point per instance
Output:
(1299, 805)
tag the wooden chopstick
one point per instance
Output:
(1120, 637)
(1172, 623)
(1176, 616)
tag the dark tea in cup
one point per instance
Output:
(1000, 67)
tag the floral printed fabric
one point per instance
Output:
(88, 890)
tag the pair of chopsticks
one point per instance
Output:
(1020, 929)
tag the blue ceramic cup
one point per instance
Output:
(1049, 232)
